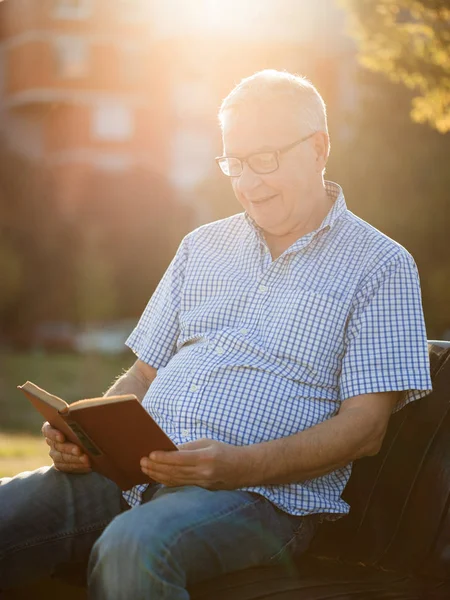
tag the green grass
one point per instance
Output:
(18, 445)
(22, 452)
(70, 376)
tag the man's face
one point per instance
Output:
(280, 202)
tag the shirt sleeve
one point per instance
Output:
(154, 338)
(385, 340)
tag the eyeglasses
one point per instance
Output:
(261, 163)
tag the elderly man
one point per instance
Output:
(273, 352)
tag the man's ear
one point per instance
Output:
(321, 143)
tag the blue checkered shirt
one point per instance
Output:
(249, 349)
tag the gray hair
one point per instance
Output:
(271, 85)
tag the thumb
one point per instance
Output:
(195, 445)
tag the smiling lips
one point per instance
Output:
(262, 200)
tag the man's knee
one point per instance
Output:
(131, 538)
(18, 503)
(134, 554)
(48, 517)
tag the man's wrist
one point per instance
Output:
(252, 465)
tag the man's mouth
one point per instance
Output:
(259, 201)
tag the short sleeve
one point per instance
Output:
(155, 336)
(385, 340)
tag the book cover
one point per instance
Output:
(116, 431)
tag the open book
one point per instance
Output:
(116, 432)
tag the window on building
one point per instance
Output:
(113, 122)
(131, 62)
(192, 98)
(133, 10)
(191, 154)
(72, 56)
(72, 9)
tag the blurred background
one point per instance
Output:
(108, 133)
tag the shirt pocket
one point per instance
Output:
(210, 305)
(307, 329)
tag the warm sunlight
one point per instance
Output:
(224, 223)
(252, 19)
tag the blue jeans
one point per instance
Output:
(178, 537)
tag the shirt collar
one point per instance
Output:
(335, 193)
(339, 208)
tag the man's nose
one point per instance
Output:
(248, 179)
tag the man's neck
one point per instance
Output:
(277, 244)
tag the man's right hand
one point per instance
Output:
(66, 456)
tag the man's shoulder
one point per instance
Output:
(221, 230)
(368, 241)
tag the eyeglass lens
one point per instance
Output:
(264, 162)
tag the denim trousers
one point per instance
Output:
(179, 536)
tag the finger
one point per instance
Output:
(171, 471)
(195, 445)
(182, 457)
(175, 481)
(71, 468)
(53, 434)
(184, 475)
(62, 458)
(67, 448)
(166, 480)
(50, 432)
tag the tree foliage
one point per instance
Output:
(36, 247)
(395, 176)
(409, 41)
(101, 263)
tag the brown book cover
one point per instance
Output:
(115, 431)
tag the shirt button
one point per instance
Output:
(262, 289)
(244, 331)
(220, 350)
(193, 387)
(185, 432)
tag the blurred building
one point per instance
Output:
(209, 45)
(109, 85)
(77, 88)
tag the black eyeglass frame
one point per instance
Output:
(276, 153)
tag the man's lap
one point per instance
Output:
(54, 517)
(188, 534)
(48, 517)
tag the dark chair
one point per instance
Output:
(395, 544)
(396, 541)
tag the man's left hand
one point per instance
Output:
(206, 463)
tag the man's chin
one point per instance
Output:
(265, 221)
(272, 235)
(267, 225)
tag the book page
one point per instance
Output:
(50, 399)
(100, 401)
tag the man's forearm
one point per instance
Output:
(310, 453)
(132, 382)
(357, 431)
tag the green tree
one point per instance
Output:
(11, 274)
(129, 225)
(96, 289)
(36, 250)
(408, 41)
(395, 176)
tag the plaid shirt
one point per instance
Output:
(249, 349)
